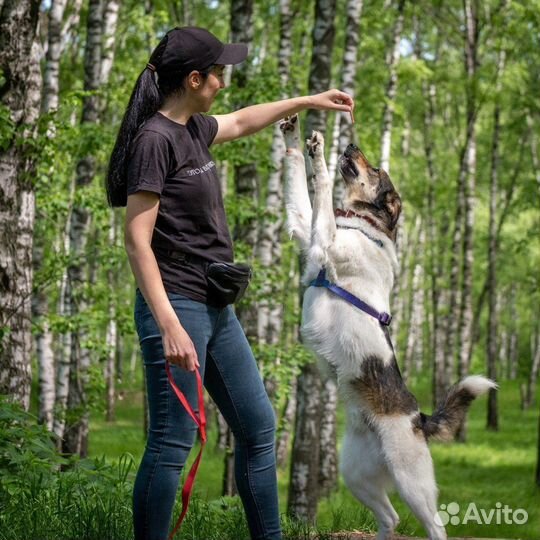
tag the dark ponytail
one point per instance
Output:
(151, 88)
(145, 100)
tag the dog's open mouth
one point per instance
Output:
(348, 168)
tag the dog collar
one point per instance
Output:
(338, 212)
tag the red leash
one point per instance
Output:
(201, 423)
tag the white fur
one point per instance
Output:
(477, 384)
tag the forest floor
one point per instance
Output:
(364, 536)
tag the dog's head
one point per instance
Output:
(369, 189)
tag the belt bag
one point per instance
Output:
(227, 282)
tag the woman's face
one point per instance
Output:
(211, 86)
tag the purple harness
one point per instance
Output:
(320, 281)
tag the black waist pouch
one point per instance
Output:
(227, 282)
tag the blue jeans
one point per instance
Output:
(231, 377)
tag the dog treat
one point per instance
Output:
(352, 117)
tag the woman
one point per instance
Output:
(162, 170)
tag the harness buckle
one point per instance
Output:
(385, 318)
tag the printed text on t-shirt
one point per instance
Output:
(200, 170)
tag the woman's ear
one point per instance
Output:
(194, 80)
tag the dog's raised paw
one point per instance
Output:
(288, 124)
(315, 144)
(290, 127)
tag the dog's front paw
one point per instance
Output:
(290, 127)
(315, 145)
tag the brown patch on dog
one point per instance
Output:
(382, 389)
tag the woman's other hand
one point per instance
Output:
(178, 347)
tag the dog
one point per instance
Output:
(385, 444)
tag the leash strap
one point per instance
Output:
(201, 423)
(320, 281)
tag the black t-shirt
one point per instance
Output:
(173, 160)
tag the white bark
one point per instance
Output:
(21, 96)
(303, 486)
(413, 347)
(111, 334)
(391, 89)
(328, 468)
(110, 22)
(101, 19)
(269, 313)
(534, 148)
(52, 61)
(343, 132)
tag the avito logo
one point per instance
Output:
(449, 513)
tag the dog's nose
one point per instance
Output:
(350, 150)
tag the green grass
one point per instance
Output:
(491, 468)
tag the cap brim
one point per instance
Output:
(233, 53)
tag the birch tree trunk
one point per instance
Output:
(534, 148)
(391, 88)
(20, 95)
(112, 331)
(413, 346)
(282, 442)
(304, 472)
(537, 475)
(466, 313)
(529, 388)
(512, 336)
(491, 345)
(110, 22)
(246, 184)
(468, 167)
(51, 74)
(40, 304)
(343, 127)
(439, 372)
(102, 18)
(270, 309)
(43, 347)
(343, 134)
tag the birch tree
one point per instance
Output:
(303, 484)
(98, 22)
(270, 309)
(491, 345)
(246, 186)
(343, 132)
(391, 88)
(20, 95)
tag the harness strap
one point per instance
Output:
(200, 420)
(320, 281)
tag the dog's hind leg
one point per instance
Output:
(366, 475)
(411, 468)
(297, 200)
(323, 223)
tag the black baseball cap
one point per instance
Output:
(191, 48)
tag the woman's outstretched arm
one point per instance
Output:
(251, 119)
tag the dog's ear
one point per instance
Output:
(392, 204)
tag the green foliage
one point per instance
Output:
(7, 127)
(46, 496)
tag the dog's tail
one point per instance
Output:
(445, 421)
